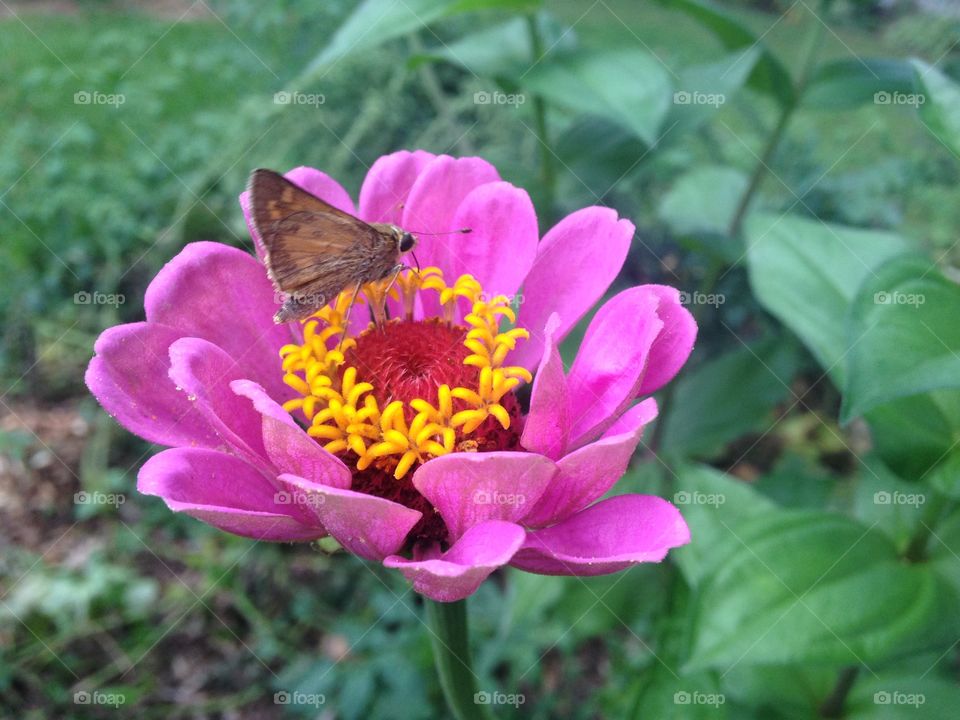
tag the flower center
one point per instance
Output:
(404, 391)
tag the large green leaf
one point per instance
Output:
(768, 75)
(806, 273)
(625, 85)
(728, 396)
(895, 697)
(711, 503)
(944, 549)
(940, 111)
(376, 21)
(817, 588)
(703, 200)
(847, 83)
(904, 333)
(915, 433)
(703, 89)
(503, 50)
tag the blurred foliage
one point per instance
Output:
(779, 174)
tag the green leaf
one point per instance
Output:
(625, 85)
(727, 397)
(598, 151)
(697, 696)
(806, 273)
(847, 83)
(816, 588)
(711, 503)
(885, 501)
(944, 549)
(796, 691)
(703, 200)
(915, 433)
(895, 697)
(703, 89)
(503, 50)
(945, 476)
(940, 111)
(769, 75)
(376, 21)
(904, 334)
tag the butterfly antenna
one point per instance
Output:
(461, 231)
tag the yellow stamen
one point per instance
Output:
(341, 408)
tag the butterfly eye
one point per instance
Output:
(407, 242)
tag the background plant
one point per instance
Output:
(791, 167)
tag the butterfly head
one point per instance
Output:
(405, 241)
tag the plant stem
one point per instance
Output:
(548, 172)
(451, 655)
(786, 115)
(917, 547)
(832, 707)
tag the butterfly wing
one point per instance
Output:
(313, 249)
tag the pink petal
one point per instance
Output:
(458, 572)
(128, 376)
(609, 367)
(586, 474)
(203, 372)
(575, 264)
(502, 244)
(432, 204)
(546, 429)
(262, 403)
(292, 451)
(314, 182)
(222, 294)
(674, 343)
(470, 488)
(366, 525)
(226, 492)
(287, 446)
(387, 184)
(607, 537)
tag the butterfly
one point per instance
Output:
(313, 250)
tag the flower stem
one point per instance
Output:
(451, 655)
(760, 170)
(548, 173)
(833, 706)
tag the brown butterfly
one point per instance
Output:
(315, 250)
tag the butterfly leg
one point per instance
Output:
(346, 319)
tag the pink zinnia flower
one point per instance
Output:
(408, 442)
